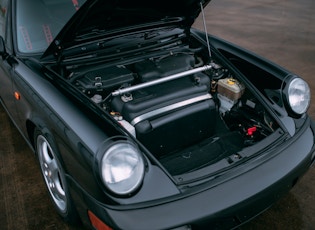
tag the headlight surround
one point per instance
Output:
(298, 96)
(122, 168)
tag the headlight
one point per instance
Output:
(122, 168)
(298, 96)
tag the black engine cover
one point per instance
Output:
(181, 128)
(171, 115)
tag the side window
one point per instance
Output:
(8, 30)
(3, 14)
(39, 21)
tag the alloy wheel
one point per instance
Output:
(52, 173)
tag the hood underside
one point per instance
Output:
(97, 19)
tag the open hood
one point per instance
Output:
(99, 19)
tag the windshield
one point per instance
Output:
(39, 21)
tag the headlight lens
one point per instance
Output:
(299, 96)
(122, 168)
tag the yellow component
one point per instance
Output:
(231, 81)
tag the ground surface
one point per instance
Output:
(280, 30)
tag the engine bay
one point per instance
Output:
(187, 113)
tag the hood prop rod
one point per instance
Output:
(205, 28)
(161, 80)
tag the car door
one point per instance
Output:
(6, 62)
(10, 96)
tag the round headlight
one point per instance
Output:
(122, 168)
(299, 96)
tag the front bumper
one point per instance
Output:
(225, 206)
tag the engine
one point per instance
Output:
(172, 102)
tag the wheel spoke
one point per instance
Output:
(57, 192)
(55, 177)
(46, 153)
(53, 167)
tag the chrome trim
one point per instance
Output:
(161, 80)
(169, 108)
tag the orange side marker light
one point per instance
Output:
(97, 223)
(17, 95)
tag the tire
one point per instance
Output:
(54, 176)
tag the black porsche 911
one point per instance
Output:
(140, 121)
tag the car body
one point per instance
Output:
(140, 121)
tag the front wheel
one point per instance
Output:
(54, 177)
